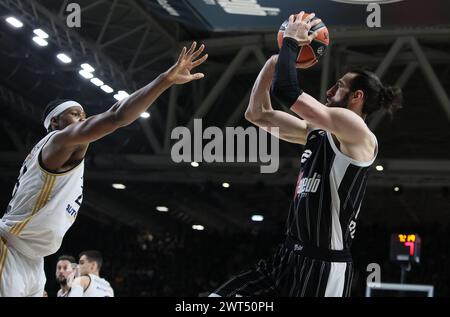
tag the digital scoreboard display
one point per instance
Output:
(405, 247)
(267, 15)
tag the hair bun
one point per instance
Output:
(391, 99)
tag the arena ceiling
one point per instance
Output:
(129, 45)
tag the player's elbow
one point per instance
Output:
(118, 117)
(250, 115)
(253, 114)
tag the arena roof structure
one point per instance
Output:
(130, 42)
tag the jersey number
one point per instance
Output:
(80, 198)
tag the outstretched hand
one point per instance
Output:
(180, 73)
(299, 28)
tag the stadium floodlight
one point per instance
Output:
(198, 227)
(88, 68)
(64, 58)
(41, 33)
(121, 94)
(97, 82)
(40, 41)
(107, 89)
(145, 115)
(14, 22)
(85, 74)
(119, 186)
(257, 218)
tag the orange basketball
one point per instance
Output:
(309, 54)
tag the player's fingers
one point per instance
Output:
(182, 54)
(315, 22)
(300, 17)
(200, 60)
(192, 48)
(197, 76)
(198, 52)
(310, 17)
(312, 36)
(291, 18)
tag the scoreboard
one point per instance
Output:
(267, 15)
(405, 247)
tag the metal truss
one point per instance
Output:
(127, 32)
(24, 108)
(20, 104)
(347, 36)
(406, 49)
(36, 15)
(83, 50)
(157, 169)
(132, 43)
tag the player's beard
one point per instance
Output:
(62, 280)
(341, 103)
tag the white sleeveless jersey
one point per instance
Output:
(98, 287)
(43, 207)
(62, 293)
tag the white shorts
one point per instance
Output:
(20, 276)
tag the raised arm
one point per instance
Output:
(129, 109)
(77, 136)
(261, 113)
(345, 124)
(348, 127)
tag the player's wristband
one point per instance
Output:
(285, 85)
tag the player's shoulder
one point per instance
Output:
(311, 128)
(85, 281)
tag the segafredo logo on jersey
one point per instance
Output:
(309, 184)
(367, 1)
(306, 155)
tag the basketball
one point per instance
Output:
(309, 54)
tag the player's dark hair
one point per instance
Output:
(376, 95)
(65, 257)
(93, 255)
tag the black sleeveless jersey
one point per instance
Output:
(328, 195)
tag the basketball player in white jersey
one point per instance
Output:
(49, 190)
(89, 283)
(64, 268)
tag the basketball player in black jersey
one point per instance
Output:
(339, 148)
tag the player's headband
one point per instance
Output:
(58, 110)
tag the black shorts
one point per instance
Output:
(295, 271)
